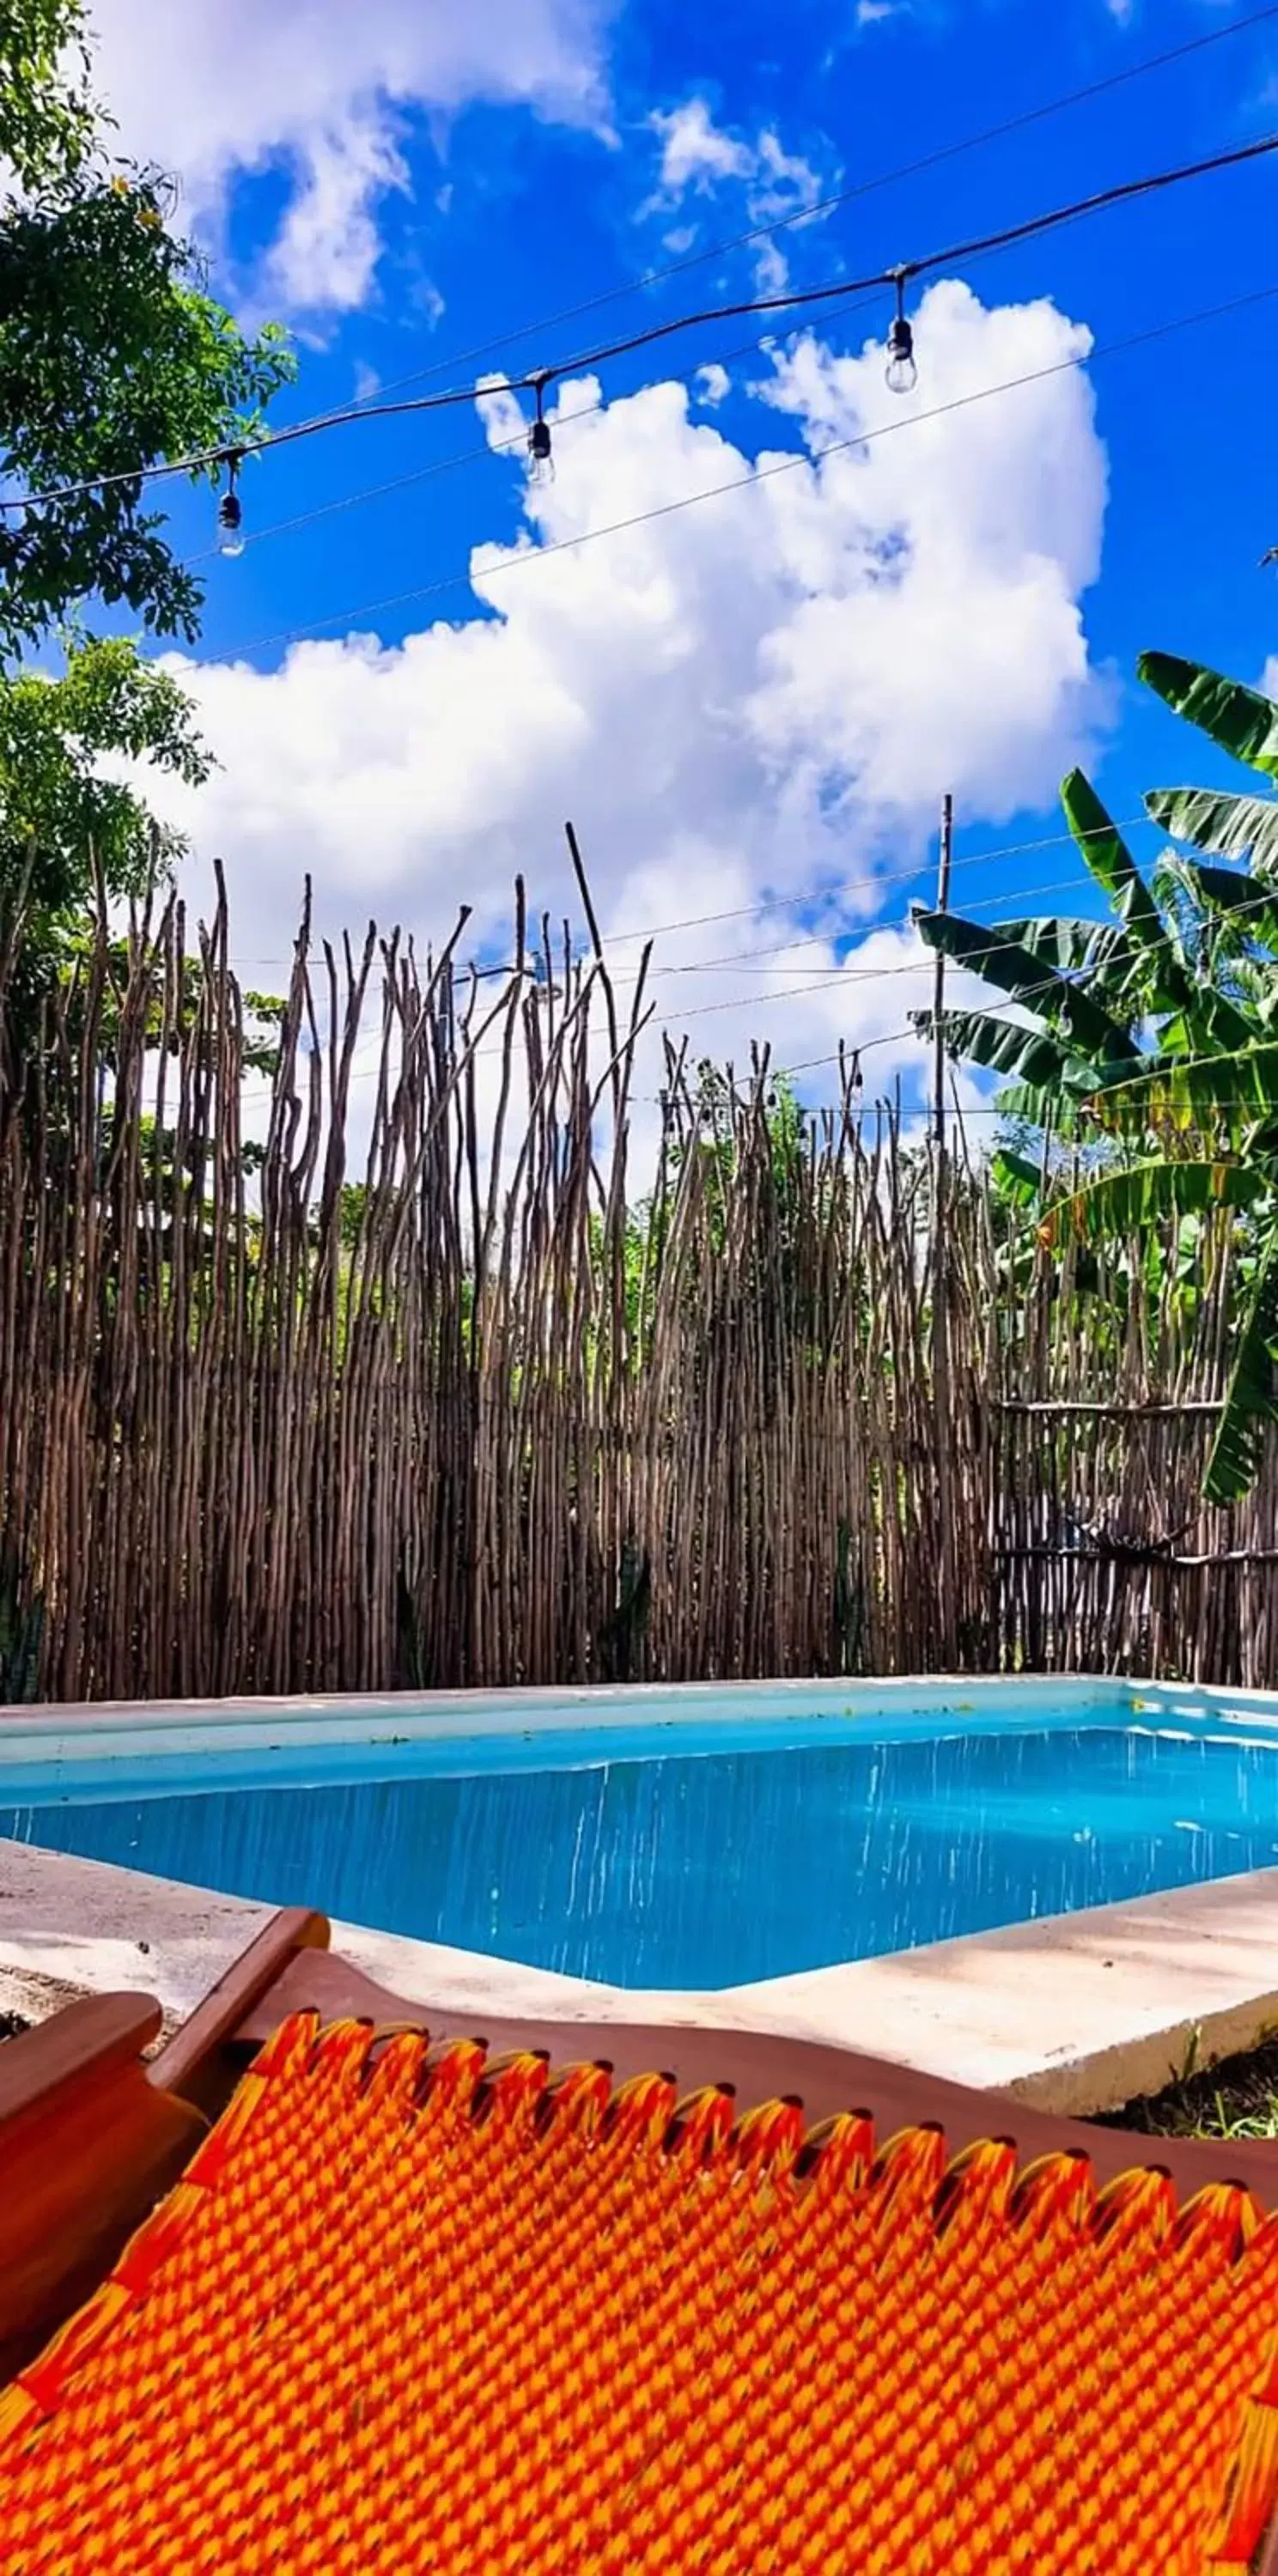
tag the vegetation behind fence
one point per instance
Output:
(465, 1412)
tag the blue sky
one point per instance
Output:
(751, 707)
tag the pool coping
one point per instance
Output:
(479, 1712)
(1073, 2013)
(187, 1740)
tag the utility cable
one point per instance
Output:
(519, 560)
(820, 206)
(810, 895)
(800, 300)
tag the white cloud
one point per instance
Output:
(750, 704)
(328, 246)
(699, 158)
(695, 152)
(217, 87)
(711, 384)
(1269, 677)
(872, 13)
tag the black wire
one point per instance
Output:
(903, 270)
(845, 196)
(755, 474)
(538, 378)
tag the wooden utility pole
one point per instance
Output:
(940, 1276)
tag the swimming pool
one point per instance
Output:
(670, 1839)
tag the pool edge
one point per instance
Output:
(1123, 1989)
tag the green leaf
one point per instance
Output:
(1146, 1193)
(1053, 1105)
(1161, 982)
(1195, 1092)
(1249, 908)
(977, 1037)
(1230, 827)
(1028, 979)
(1240, 720)
(1018, 1178)
(1105, 852)
(1073, 946)
(1250, 1403)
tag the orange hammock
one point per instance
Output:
(406, 2313)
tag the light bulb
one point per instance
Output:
(541, 464)
(902, 374)
(230, 526)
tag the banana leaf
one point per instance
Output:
(1241, 1087)
(1072, 946)
(1241, 903)
(1230, 827)
(1141, 1195)
(1028, 979)
(1021, 1180)
(977, 1037)
(1239, 719)
(1250, 1401)
(1054, 1105)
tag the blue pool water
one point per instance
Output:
(621, 1857)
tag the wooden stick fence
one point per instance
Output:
(458, 1411)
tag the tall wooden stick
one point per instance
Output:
(940, 1277)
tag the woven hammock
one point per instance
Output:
(411, 2312)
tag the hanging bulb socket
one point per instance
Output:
(230, 511)
(902, 374)
(541, 463)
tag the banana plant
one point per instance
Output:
(1151, 1037)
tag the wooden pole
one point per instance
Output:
(940, 1278)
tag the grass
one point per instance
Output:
(1238, 2098)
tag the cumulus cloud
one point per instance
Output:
(321, 88)
(750, 708)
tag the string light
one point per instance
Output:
(902, 374)
(541, 463)
(585, 362)
(230, 511)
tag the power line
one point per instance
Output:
(482, 449)
(1051, 982)
(804, 214)
(1030, 228)
(816, 894)
(715, 250)
(756, 475)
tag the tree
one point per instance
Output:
(1151, 1040)
(113, 358)
(62, 817)
(113, 355)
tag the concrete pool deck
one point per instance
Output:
(1075, 2013)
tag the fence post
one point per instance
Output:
(940, 1278)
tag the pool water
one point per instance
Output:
(624, 1859)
